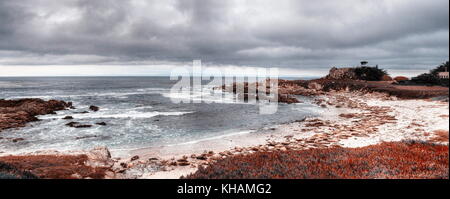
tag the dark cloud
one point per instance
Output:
(285, 33)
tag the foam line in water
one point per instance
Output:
(213, 138)
(113, 94)
(129, 114)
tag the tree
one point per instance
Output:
(432, 78)
(442, 68)
(426, 78)
(370, 73)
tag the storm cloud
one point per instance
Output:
(285, 33)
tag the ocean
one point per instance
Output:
(139, 112)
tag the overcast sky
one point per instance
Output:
(290, 34)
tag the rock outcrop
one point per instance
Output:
(342, 73)
(17, 113)
(94, 108)
(261, 91)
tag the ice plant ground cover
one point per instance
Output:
(395, 160)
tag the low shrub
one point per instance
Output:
(55, 167)
(8, 171)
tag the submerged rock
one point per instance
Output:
(83, 112)
(101, 123)
(17, 140)
(78, 125)
(86, 137)
(94, 108)
(68, 118)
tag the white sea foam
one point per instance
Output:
(101, 94)
(207, 95)
(128, 114)
(142, 107)
(214, 138)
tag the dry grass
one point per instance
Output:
(400, 160)
(55, 167)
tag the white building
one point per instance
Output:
(443, 75)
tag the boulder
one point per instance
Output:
(68, 118)
(78, 125)
(99, 157)
(101, 123)
(94, 108)
(287, 99)
(134, 158)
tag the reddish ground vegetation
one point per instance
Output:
(55, 167)
(440, 136)
(386, 78)
(401, 78)
(402, 160)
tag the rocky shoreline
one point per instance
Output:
(17, 113)
(358, 115)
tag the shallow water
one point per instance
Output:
(139, 112)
